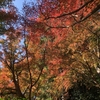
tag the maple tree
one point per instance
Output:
(76, 11)
(48, 49)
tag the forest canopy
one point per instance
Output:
(50, 50)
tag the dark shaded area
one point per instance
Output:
(80, 91)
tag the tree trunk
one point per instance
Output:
(17, 87)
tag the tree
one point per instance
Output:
(6, 14)
(5, 3)
(10, 57)
(53, 46)
(53, 30)
(77, 10)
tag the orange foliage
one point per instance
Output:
(52, 43)
(5, 79)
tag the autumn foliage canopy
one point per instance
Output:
(50, 51)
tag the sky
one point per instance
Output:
(19, 3)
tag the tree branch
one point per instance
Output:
(86, 17)
(70, 13)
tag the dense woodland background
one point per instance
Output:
(50, 51)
